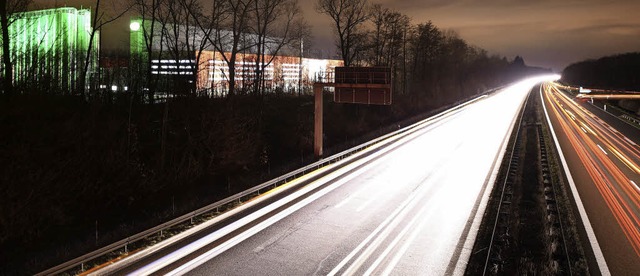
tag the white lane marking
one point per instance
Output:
(390, 222)
(366, 162)
(583, 130)
(359, 192)
(192, 247)
(370, 200)
(371, 236)
(344, 201)
(602, 263)
(384, 223)
(370, 249)
(635, 185)
(183, 269)
(629, 140)
(424, 213)
(602, 149)
(422, 126)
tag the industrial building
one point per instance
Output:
(49, 48)
(181, 61)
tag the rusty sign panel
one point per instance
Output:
(379, 96)
(363, 75)
(363, 85)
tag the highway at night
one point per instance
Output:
(603, 164)
(410, 208)
(319, 137)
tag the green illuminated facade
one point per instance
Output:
(137, 40)
(137, 48)
(50, 47)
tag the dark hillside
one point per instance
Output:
(620, 72)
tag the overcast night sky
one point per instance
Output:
(546, 33)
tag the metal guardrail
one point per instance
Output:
(79, 261)
(631, 119)
(273, 183)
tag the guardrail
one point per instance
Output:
(631, 119)
(78, 263)
(625, 117)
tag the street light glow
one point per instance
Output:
(135, 26)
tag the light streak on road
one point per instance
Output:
(635, 185)
(607, 135)
(613, 173)
(605, 152)
(410, 208)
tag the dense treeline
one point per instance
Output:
(611, 72)
(618, 72)
(79, 172)
(428, 64)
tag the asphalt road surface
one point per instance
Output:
(603, 162)
(410, 208)
(408, 211)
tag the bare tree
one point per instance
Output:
(209, 20)
(457, 57)
(378, 16)
(348, 16)
(388, 43)
(274, 29)
(177, 36)
(426, 48)
(152, 31)
(426, 45)
(100, 19)
(301, 32)
(197, 41)
(231, 21)
(8, 12)
(388, 35)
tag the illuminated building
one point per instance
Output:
(49, 48)
(207, 67)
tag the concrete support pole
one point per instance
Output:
(317, 130)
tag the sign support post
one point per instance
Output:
(317, 130)
(354, 85)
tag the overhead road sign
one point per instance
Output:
(363, 85)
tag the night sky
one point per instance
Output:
(546, 33)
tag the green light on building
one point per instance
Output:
(138, 54)
(50, 46)
(136, 36)
(134, 26)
